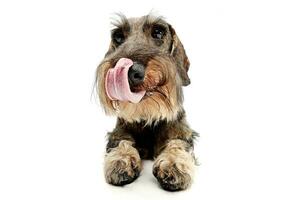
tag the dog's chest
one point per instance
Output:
(147, 138)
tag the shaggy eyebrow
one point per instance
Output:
(151, 20)
(121, 22)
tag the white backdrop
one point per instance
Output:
(243, 100)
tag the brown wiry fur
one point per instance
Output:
(160, 80)
(154, 128)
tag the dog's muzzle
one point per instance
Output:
(117, 81)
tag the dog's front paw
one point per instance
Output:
(122, 164)
(172, 173)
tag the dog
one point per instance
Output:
(140, 81)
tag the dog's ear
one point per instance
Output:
(181, 59)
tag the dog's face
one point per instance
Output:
(143, 71)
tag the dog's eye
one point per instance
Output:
(158, 32)
(118, 37)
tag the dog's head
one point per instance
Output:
(142, 74)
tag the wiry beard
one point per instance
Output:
(163, 99)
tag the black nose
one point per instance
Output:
(136, 74)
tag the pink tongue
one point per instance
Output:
(116, 83)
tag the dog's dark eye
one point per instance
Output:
(118, 37)
(158, 32)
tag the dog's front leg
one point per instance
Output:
(174, 166)
(122, 161)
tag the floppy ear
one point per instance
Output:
(180, 57)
